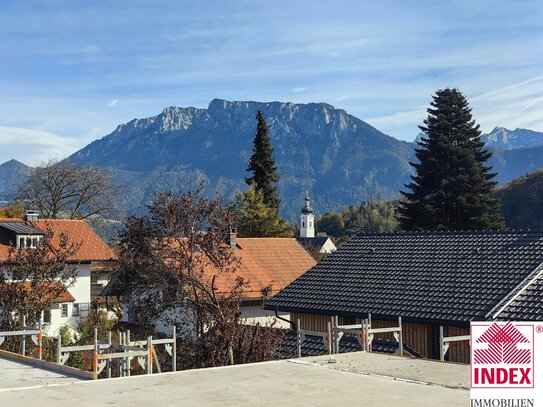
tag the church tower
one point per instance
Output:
(307, 226)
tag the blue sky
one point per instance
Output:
(71, 71)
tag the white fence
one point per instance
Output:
(363, 332)
(103, 353)
(36, 335)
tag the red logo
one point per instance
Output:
(502, 355)
(502, 346)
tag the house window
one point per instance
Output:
(29, 242)
(47, 316)
(75, 310)
(303, 224)
(64, 310)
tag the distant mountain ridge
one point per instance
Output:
(12, 173)
(514, 152)
(501, 138)
(337, 157)
(505, 139)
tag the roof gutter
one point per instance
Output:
(375, 316)
(292, 324)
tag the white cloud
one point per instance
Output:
(113, 103)
(34, 146)
(299, 89)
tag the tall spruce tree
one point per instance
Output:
(262, 165)
(452, 188)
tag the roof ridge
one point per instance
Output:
(450, 232)
(267, 238)
(515, 292)
(59, 220)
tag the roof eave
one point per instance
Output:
(460, 323)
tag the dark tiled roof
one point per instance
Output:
(527, 306)
(451, 277)
(21, 228)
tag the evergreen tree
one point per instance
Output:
(452, 187)
(256, 219)
(262, 165)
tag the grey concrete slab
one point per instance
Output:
(305, 382)
(453, 375)
(17, 375)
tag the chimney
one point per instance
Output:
(32, 215)
(233, 233)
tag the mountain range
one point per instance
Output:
(11, 174)
(504, 139)
(338, 158)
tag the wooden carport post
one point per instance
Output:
(400, 335)
(329, 337)
(174, 352)
(299, 338)
(333, 335)
(441, 350)
(363, 335)
(336, 338)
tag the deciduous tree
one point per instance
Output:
(178, 268)
(13, 210)
(65, 190)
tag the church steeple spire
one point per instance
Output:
(307, 226)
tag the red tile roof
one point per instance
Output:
(92, 247)
(63, 296)
(264, 262)
(274, 262)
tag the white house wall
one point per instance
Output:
(184, 318)
(81, 292)
(254, 315)
(328, 247)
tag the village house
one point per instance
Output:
(270, 263)
(430, 279)
(273, 262)
(74, 302)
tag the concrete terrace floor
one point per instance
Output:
(356, 379)
(17, 375)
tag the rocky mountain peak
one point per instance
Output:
(503, 138)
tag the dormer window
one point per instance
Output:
(28, 242)
(22, 234)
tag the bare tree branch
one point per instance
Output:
(64, 190)
(179, 268)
